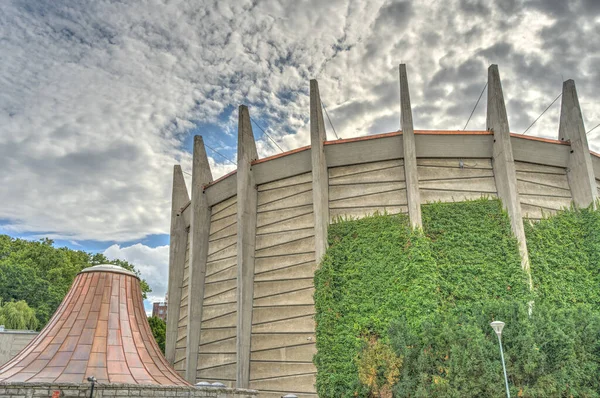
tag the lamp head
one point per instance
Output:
(497, 326)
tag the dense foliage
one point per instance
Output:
(159, 330)
(552, 353)
(428, 297)
(564, 251)
(41, 275)
(17, 315)
(369, 276)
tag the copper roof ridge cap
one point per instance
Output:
(108, 268)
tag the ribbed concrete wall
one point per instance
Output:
(217, 355)
(543, 190)
(454, 179)
(362, 189)
(179, 364)
(283, 340)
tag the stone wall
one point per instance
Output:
(31, 390)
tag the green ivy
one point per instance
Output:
(360, 286)
(432, 293)
(476, 254)
(564, 251)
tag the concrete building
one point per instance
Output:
(245, 247)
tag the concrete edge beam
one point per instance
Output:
(199, 234)
(177, 247)
(320, 176)
(247, 199)
(410, 153)
(503, 162)
(580, 170)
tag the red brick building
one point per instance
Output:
(159, 309)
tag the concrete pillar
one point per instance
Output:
(199, 232)
(580, 172)
(504, 163)
(320, 176)
(410, 153)
(177, 246)
(246, 235)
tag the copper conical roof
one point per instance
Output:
(100, 329)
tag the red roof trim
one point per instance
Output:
(280, 155)
(363, 138)
(220, 179)
(452, 132)
(541, 139)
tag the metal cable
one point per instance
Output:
(265, 133)
(475, 107)
(217, 152)
(333, 128)
(593, 128)
(538, 118)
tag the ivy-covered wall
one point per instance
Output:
(407, 313)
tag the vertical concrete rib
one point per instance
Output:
(580, 171)
(320, 178)
(503, 161)
(410, 153)
(177, 246)
(246, 235)
(199, 232)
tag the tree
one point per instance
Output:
(17, 315)
(41, 274)
(159, 330)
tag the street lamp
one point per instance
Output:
(498, 326)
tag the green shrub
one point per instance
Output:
(552, 353)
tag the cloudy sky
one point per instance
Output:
(99, 98)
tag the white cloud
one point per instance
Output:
(152, 262)
(96, 99)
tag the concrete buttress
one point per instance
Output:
(410, 153)
(246, 235)
(177, 248)
(580, 171)
(503, 161)
(199, 233)
(320, 180)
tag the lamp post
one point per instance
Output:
(498, 326)
(92, 380)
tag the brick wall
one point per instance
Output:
(38, 390)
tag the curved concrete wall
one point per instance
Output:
(361, 176)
